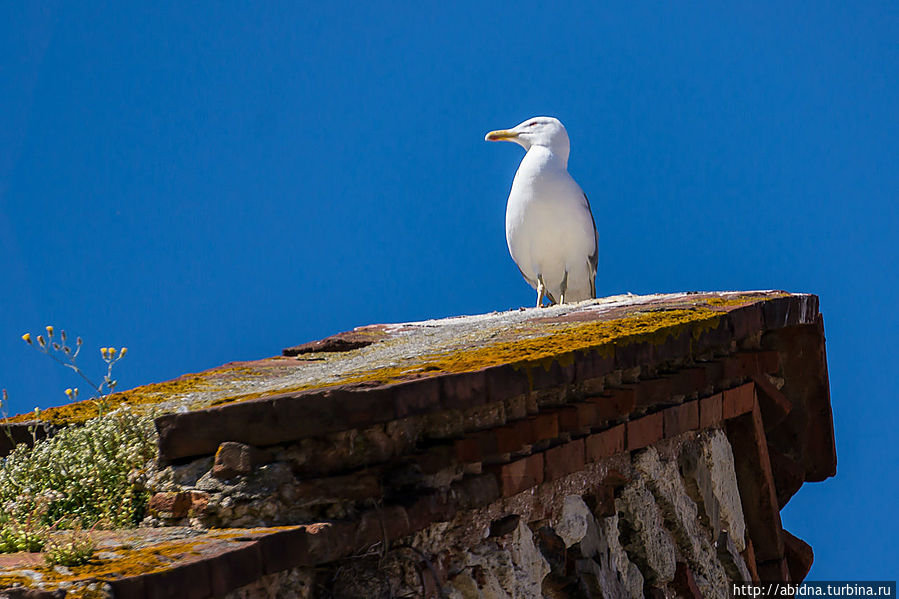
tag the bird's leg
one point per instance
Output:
(564, 288)
(541, 290)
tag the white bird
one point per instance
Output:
(550, 229)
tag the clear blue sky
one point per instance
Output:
(211, 182)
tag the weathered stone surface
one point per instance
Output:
(799, 555)
(708, 468)
(572, 522)
(681, 517)
(501, 571)
(643, 534)
(617, 576)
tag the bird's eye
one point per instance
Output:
(532, 124)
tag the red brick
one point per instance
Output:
(190, 580)
(774, 405)
(544, 426)
(233, 459)
(170, 505)
(605, 444)
(733, 368)
(236, 568)
(653, 392)
(711, 411)
(769, 361)
(755, 480)
(749, 363)
(681, 419)
(614, 403)
(564, 459)
(774, 570)
(430, 508)
(468, 450)
(738, 400)
(644, 431)
(285, 549)
(578, 416)
(357, 486)
(508, 439)
(688, 380)
(380, 525)
(799, 556)
(476, 491)
(519, 475)
(463, 390)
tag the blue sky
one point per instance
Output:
(208, 182)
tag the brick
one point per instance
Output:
(564, 459)
(738, 400)
(714, 373)
(415, 397)
(519, 475)
(505, 381)
(630, 353)
(789, 475)
(476, 491)
(769, 361)
(755, 481)
(733, 368)
(749, 364)
(285, 549)
(556, 374)
(774, 405)
(653, 392)
(711, 412)
(716, 339)
(543, 427)
(508, 439)
(746, 320)
(237, 459)
(236, 568)
(593, 364)
(381, 526)
(463, 390)
(644, 431)
(578, 416)
(468, 450)
(799, 556)
(190, 580)
(688, 381)
(170, 505)
(605, 444)
(614, 403)
(774, 570)
(680, 419)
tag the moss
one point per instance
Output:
(536, 344)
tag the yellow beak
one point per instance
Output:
(501, 135)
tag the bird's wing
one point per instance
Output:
(593, 259)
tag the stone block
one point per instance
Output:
(738, 400)
(564, 459)
(237, 459)
(519, 475)
(605, 444)
(799, 556)
(711, 412)
(644, 431)
(680, 419)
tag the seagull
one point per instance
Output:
(550, 229)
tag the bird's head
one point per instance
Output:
(543, 131)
